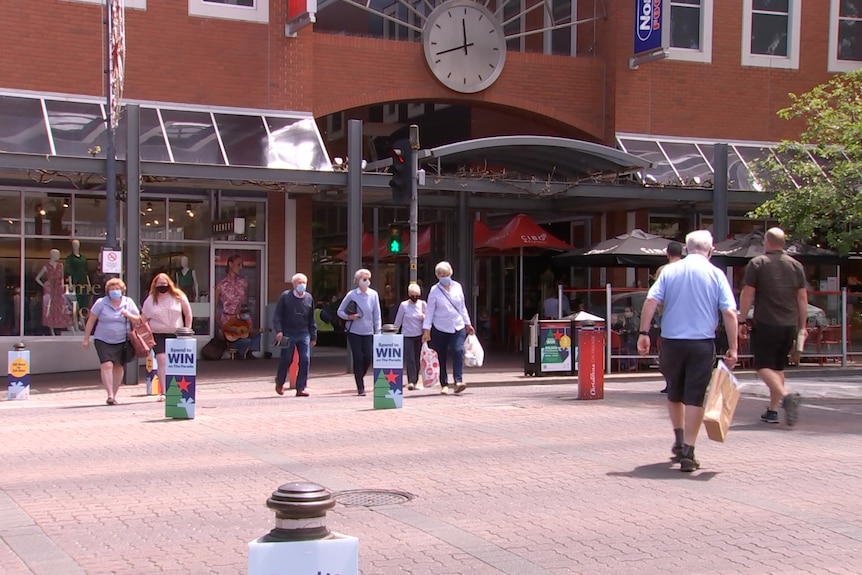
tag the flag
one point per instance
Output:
(117, 64)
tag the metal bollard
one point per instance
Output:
(301, 541)
(18, 371)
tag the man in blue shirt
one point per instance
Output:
(294, 319)
(693, 293)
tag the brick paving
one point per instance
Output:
(515, 479)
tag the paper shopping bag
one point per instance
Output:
(721, 399)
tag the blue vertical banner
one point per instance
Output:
(180, 373)
(19, 375)
(649, 17)
(388, 369)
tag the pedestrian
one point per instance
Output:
(409, 318)
(294, 319)
(627, 326)
(360, 309)
(115, 313)
(775, 283)
(674, 254)
(693, 293)
(167, 308)
(447, 324)
(552, 306)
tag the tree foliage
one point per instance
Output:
(817, 181)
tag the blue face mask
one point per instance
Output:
(115, 294)
(299, 288)
(445, 280)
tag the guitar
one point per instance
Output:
(235, 329)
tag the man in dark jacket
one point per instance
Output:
(295, 329)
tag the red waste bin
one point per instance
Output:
(591, 362)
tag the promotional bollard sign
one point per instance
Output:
(591, 363)
(337, 554)
(154, 386)
(19, 375)
(555, 346)
(388, 369)
(180, 373)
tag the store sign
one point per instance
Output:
(648, 25)
(300, 13)
(232, 226)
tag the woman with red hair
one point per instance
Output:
(167, 308)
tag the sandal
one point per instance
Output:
(111, 401)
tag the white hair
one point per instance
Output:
(698, 242)
(299, 278)
(443, 269)
(414, 289)
(361, 272)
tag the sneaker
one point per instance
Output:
(444, 390)
(410, 386)
(419, 385)
(459, 387)
(790, 403)
(676, 452)
(769, 416)
(687, 462)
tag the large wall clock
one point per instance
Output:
(465, 46)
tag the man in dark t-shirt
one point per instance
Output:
(775, 284)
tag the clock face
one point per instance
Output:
(464, 45)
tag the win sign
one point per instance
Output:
(388, 369)
(180, 373)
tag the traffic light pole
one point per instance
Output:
(414, 202)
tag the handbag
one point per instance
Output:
(141, 338)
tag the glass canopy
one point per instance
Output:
(60, 126)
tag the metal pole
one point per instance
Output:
(720, 223)
(354, 205)
(132, 253)
(844, 324)
(110, 153)
(414, 202)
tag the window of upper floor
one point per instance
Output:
(689, 35)
(771, 33)
(246, 10)
(562, 41)
(137, 4)
(845, 35)
(514, 22)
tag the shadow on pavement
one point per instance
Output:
(663, 471)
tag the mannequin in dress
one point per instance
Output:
(78, 277)
(187, 280)
(56, 314)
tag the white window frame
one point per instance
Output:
(134, 4)
(836, 65)
(703, 55)
(260, 12)
(791, 61)
(547, 36)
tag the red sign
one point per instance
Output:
(591, 364)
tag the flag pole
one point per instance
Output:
(110, 152)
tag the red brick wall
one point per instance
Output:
(277, 246)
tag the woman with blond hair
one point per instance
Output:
(167, 308)
(115, 314)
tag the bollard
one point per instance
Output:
(180, 374)
(591, 362)
(301, 541)
(388, 368)
(18, 371)
(154, 386)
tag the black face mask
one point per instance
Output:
(413, 298)
(162, 289)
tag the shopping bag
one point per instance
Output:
(721, 399)
(474, 355)
(142, 339)
(430, 365)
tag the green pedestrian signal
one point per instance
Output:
(395, 241)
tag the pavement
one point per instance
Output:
(514, 476)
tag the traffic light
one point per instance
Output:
(395, 241)
(401, 184)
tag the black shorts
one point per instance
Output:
(771, 344)
(687, 367)
(160, 342)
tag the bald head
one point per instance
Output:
(774, 239)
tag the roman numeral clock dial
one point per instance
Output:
(464, 45)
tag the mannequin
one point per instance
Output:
(78, 278)
(187, 280)
(56, 314)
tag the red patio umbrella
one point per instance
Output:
(481, 233)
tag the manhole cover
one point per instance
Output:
(371, 497)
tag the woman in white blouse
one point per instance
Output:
(446, 325)
(409, 318)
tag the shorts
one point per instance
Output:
(687, 367)
(771, 344)
(160, 342)
(117, 353)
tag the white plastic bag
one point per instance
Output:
(474, 355)
(430, 365)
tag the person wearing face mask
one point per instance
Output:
(409, 318)
(446, 325)
(167, 308)
(115, 314)
(360, 309)
(627, 325)
(294, 319)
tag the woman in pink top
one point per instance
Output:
(167, 308)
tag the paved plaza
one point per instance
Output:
(514, 479)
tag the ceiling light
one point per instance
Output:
(155, 222)
(65, 202)
(149, 207)
(40, 210)
(171, 220)
(148, 224)
(189, 211)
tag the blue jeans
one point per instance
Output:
(302, 344)
(443, 343)
(246, 344)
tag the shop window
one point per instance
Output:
(188, 266)
(10, 280)
(48, 214)
(335, 126)
(771, 33)
(562, 41)
(670, 227)
(189, 219)
(154, 220)
(247, 10)
(240, 221)
(689, 35)
(10, 212)
(90, 216)
(845, 35)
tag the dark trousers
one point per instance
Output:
(361, 350)
(302, 345)
(443, 343)
(412, 347)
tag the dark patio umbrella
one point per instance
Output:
(740, 249)
(636, 248)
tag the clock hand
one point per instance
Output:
(455, 48)
(464, 30)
